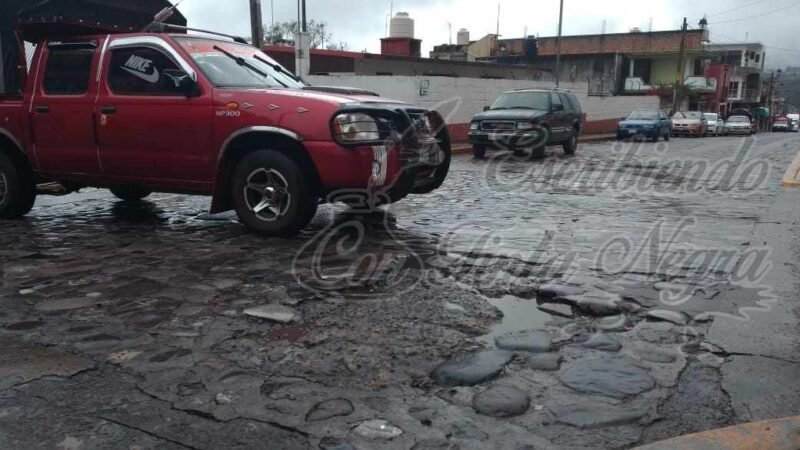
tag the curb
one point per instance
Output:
(466, 149)
(790, 178)
(781, 434)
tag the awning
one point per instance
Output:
(62, 18)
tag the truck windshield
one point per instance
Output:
(539, 101)
(232, 65)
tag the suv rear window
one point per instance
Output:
(68, 69)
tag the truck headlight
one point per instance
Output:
(474, 126)
(355, 127)
(525, 126)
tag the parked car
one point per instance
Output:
(781, 124)
(740, 125)
(650, 124)
(716, 125)
(691, 123)
(794, 122)
(528, 119)
(156, 112)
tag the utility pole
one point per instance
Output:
(679, 75)
(256, 24)
(558, 44)
(302, 43)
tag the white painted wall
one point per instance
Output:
(461, 98)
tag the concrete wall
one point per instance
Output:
(461, 98)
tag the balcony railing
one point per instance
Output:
(636, 85)
(601, 87)
(746, 95)
(701, 84)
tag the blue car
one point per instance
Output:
(645, 124)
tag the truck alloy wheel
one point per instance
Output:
(267, 194)
(272, 194)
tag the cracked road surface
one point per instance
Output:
(607, 300)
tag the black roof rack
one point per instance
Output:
(161, 27)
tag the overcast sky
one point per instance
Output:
(361, 23)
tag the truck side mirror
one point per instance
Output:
(557, 108)
(486, 108)
(183, 82)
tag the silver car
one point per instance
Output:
(738, 125)
(716, 125)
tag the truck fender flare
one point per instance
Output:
(7, 134)
(255, 129)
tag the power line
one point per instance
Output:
(733, 40)
(735, 9)
(758, 15)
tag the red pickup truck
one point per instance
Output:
(156, 112)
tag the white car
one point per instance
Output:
(738, 125)
(716, 125)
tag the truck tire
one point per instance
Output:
(272, 195)
(130, 193)
(571, 144)
(479, 151)
(17, 189)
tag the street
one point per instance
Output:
(632, 293)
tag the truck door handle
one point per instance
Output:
(108, 110)
(42, 109)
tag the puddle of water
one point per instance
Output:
(518, 315)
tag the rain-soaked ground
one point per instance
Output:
(632, 293)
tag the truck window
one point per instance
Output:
(556, 99)
(142, 71)
(68, 70)
(567, 102)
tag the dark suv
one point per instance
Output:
(528, 119)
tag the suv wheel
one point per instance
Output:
(17, 189)
(130, 193)
(479, 151)
(272, 195)
(571, 144)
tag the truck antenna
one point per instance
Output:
(163, 15)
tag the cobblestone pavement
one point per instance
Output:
(607, 300)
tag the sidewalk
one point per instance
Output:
(466, 149)
(782, 434)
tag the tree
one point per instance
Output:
(285, 31)
(341, 45)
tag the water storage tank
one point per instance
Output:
(402, 26)
(462, 37)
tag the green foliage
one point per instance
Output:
(285, 31)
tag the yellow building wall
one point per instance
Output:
(663, 71)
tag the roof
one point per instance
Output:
(314, 52)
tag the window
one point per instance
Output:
(535, 100)
(556, 100)
(758, 57)
(565, 100)
(142, 71)
(68, 69)
(662, 115)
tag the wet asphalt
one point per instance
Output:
(632, 293)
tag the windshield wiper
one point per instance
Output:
(280, 69)
(241, 61)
